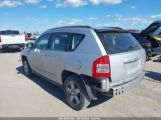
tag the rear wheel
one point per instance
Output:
(74, 94)
(26, 68)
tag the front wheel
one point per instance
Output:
(26, 68)
(74, 94)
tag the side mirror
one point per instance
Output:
(29, 45)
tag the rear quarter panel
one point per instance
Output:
(80, 60)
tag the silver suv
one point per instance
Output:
(84, 60)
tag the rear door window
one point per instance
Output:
(59, 41)
(118, 42)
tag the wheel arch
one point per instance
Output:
(88, 90)
(66, 74)
(23, 57)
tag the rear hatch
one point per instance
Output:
(127, 57)
(11, 37)
(152, 28)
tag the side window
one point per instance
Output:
(59, 41)
(42, 42)
(76, 40)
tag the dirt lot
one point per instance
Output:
(23, 97)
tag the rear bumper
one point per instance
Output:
(116, 90)
(12, 46)
(105, 87)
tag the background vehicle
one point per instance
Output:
(85, 60)
(146, 44)
(152, 33)
(35, 36)
(29, 35)
(10, 39)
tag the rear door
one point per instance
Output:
(127, 57)
(53, 59)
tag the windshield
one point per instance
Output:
(157, 32)
(118, 42)
(9, 32)
(152, 29)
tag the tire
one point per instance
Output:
(74, 93)
(26, 68)
(147, 58)
(1, 51)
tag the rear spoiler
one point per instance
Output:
(111, 31)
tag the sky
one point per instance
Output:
(40, 15)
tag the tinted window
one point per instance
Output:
(42, 42)
(2, 32)
(118, 42)
(29, 34)
(59, 41)
(76, 39)
(139, 38)
(9, 32)
(157, 32)
(152, 28)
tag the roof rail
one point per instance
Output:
(114, 27)
(81, 26)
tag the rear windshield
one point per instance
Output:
(9, 32)
(118, 42)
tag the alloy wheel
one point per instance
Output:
(73, 93)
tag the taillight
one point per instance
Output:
(26, 38)
(101, 67)
(0, 39)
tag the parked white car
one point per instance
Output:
(83, 60)
(10, 39)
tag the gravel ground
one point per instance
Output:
(23, 97)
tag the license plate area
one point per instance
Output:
(116, 91)
(13, 46)
(133, 66)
